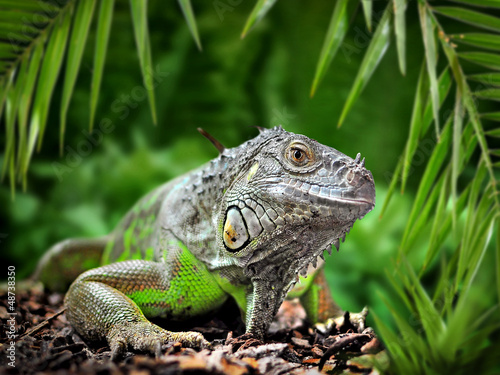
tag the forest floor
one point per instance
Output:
(46, 343)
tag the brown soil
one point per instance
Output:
(46, 343)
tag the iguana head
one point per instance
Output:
(291, 198)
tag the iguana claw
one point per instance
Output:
(146, 336)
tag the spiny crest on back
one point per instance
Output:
(278, 128)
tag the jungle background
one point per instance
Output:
(234, 84)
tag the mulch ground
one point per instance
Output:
(46, 343)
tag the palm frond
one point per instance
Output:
(439, 202)
(337, 29)
(187, 10)
(400, 31)
(38, 40)
(376, 50)
(103, 30)
(258, 12)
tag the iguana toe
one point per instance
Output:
(148, 337)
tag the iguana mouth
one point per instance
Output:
(327, 191)
(332, 196)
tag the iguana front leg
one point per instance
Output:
(108, 303)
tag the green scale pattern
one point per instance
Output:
(189, 291)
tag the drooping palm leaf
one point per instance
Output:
(79, 32)
(258, 12)
(334, 38)
(38, 40)
(376, 50)
(187, 10)
(103, 29)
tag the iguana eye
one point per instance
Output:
(299, 154)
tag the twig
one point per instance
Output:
(41, 325)
(341, 343)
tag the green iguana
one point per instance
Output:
(244, 225)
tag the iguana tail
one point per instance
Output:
(64, 261)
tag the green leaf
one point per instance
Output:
(7, 52)
(444, 229)
(5, 88)
(430, 55)
(375, 52)
(492, 116)
(334, 38)
(391, 340)
(469, 229)
(13, 97)
(78, 39)
(491, 79)
(484, 228)
(455, 157)
(497, 257)
(187, 10)
(139, 10)
(476, 122)
(481, 3)
(25, 103)
(469, 104)
(422, 122)
(480, 40)
(471, 17)
(488, 94)
(489, 60)
(49, 72)
(32, 6)
(258, 12)
(391, 274)
(392, 186)
(102, 37)
(494, 132)
(444, 85)
(431, 171)
(400, 30)
(367, 11)
(415, 124)
(431, 320)
(423, 217)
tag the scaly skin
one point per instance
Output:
(243, 225)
